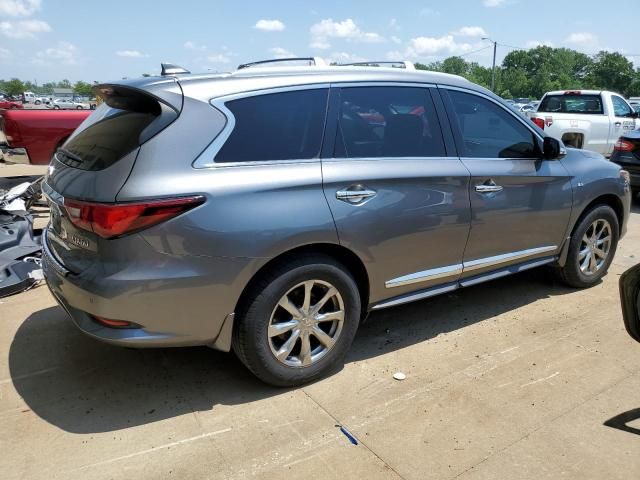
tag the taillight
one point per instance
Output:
(623, 145)
(107, 322)
(114, 220)
(539, 122)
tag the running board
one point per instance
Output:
(465, 282)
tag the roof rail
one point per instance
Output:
(399, 64)
(171, 69)
(317, 61)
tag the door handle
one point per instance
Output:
(355, 194)
(488, 187)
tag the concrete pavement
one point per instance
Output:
(510, 379)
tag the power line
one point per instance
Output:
(475, 51)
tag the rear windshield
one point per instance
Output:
(572, 103)
(111, 132)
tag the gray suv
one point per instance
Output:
(269, 210)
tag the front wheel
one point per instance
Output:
(298, 321)
(79, 107)
(591, 248)
(56, 107)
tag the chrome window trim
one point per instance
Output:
(381, 84)
(207, 158)
(469, 266)
(504, 107)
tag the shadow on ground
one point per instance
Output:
(83, 386)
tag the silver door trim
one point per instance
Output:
(425, 275)
(506, 257)
(458, 269)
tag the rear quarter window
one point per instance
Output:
(276, 126)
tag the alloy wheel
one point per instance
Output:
(306, 323)
(595, 247)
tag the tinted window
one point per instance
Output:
(112, 131)
(572, 103)
(388, 122)
(487, 130)
(276, 126)
(620, 107)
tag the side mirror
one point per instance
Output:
(553, 149)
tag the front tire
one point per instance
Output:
(298, 321)
(591, 248)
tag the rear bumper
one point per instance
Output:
(175, 306)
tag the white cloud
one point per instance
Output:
(430, 46)
(344, 57)
(581, 38)
(219, 58)
(280, 52)
(494, 3)
(347, 29)
(130, 53)
(189, 45)
(470, 32)
(63, 53)
(538, 43)
(19, 8)
(4, 54)
(24, 28)
(269, 25)
(396, 40)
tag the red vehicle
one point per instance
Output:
(34, 135)
(10, 104)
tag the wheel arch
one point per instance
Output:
(346, 257)
(608, 199)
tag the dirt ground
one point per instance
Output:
(521, 378)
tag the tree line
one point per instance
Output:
(16, 86)
(523, 73)
(531, 73)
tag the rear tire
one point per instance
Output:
(307, 348)
(591, 248)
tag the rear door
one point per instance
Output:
(397, 191)
(520, 203)
(622, 122)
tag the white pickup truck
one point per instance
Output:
(589, 119)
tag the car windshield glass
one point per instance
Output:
(572, 103)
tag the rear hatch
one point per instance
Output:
(95, 162)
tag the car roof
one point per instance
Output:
(210, 85)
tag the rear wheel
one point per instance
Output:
(298, 321)
(79, 107)
(591, 248)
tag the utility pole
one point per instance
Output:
(493, 68)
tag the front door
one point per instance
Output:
(399, 199)
(520, 203)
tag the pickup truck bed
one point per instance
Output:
(33, 135)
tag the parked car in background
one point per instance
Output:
(626, 153)
(28, 97)
(589, 119)
(67, 104)
(43, 99)
(269, 210)
(33, 135)
(521, 102)
(630, 300)
(527, 108)
(10, 104)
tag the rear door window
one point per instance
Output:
(486, 130)
(572, 103)
(389, 122)
(276, 126)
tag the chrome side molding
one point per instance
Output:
(458, 269)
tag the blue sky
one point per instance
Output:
(47, 40)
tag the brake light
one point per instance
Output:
(539, 122)
(107, 322)
(623, 146)
(573, 92)
(114, 220)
